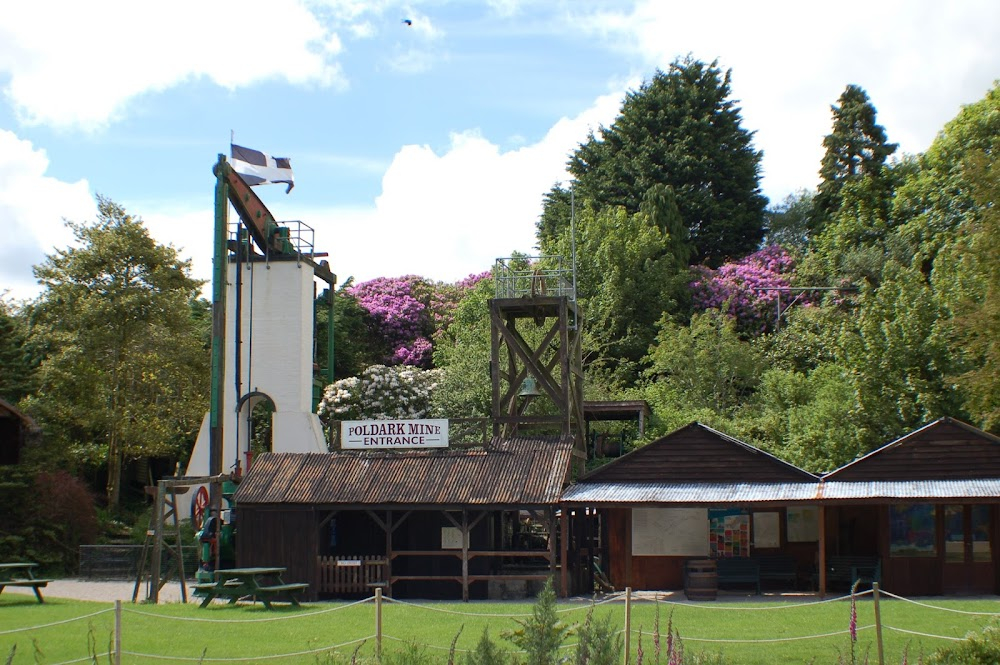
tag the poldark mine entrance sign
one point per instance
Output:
(377, 434)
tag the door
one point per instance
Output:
(968, 550)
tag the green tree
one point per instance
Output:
(680, 129)
(630, 269)
(706, 363)
(790, 223)
(16, 363)
(897, 352)
(125, 373)
(463, 356)
(541, 635)
(967, 274)
(856, 147)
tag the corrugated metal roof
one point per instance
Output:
(625, 493)
(507, 472)
(736, 493)
(980, 488)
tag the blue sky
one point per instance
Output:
(422, 149)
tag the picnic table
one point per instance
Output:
(261, 583)
(22, 574)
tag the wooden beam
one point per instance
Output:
(822, 550)
(564, 552)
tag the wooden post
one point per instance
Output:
(118, 632)
(878, 624)
(628, 622)
(154, 570)
(378, 625)
(564, 552)
(821, 562)
(465, 556)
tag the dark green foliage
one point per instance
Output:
(856, 148)
(682, 130)
(46, 516)
(16, 363)
(125, 370)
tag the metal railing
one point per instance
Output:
(533, 276)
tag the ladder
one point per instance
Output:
(150, 568)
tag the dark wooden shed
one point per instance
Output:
(926, 505)
(451, 523)
(694, 493)
(16, 430)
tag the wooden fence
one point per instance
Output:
(352, 574)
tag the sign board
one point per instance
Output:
(766, 530)
(670, 531)
(375, 434)
(802, 524)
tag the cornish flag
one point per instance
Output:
(258, 168)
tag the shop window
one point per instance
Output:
(912, 530)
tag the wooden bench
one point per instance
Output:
(779, 568)
(291, 591)
(22, 574)
(848, 569)
(35, 585)
(738, 570)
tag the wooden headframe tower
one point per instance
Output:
(536, 364)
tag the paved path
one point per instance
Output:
(103, 591)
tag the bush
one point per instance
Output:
(47, 516)
(978, 649)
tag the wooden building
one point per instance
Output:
(926, 505)
(446, 523)
(16, 431)
(695, 493)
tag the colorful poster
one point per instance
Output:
(729, 532)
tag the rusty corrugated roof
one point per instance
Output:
(687, 493)
(507, 472)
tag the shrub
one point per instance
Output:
(977, 649)
(541, 635)
(486, 652)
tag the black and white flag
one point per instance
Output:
(258, 168)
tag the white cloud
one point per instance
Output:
(32, 209)
(80, 64)
(442, 216)
(919, 60)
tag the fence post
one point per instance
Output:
(878, 623)
(628, 623)
(118, 632)
(378, 625)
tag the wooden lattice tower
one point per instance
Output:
(549, 357)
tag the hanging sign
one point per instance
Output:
(374, 434)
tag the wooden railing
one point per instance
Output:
(351, 574)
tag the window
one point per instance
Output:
(912, 530)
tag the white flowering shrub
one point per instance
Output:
(380, 393)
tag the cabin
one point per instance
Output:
(926, 505)
(17, 430)
(450, 523)
(695, 494)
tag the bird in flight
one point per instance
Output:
(407, 21)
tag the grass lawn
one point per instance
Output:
(185, 633)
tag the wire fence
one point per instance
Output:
(368, 627)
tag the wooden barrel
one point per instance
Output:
(701, 580)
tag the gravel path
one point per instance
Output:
(103, 591)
